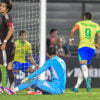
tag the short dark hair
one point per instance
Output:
(53, 30)
(88, 15)
(52, 51)
(9, 4)
(22, 32)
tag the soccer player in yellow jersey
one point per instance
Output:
(23, 48)
(86, 50)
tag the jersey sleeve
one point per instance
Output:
(98, 29)
(77, 24)
(29, 49)
(8, 19)
(46, 66)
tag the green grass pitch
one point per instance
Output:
(68, 95)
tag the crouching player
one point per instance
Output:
(23, 48)
(57, 68)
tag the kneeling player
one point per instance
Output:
(23, 48)
(57, 68)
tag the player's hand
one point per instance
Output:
(24, 80)
(70, 42)
(37, 66)
(3, 47)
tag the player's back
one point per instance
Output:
(87, 32)
(58, 71)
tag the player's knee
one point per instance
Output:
(83, 62)
(9, 68)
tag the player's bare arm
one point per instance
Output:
(98, 38)
(33, 61)
(10, 32)
(76, 27)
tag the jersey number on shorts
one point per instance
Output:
(88, 33)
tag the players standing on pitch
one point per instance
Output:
(6, 37)
(23, 49)
(86, 50)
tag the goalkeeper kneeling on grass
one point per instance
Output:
(57, 68)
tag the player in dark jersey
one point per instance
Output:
(52, 39)
(6, 38)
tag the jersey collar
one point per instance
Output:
(21, 42)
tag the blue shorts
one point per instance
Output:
(86, 53)
(21, 66)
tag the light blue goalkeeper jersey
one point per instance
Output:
(57, 68)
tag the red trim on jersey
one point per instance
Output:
(10, 24)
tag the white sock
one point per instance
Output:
(84, 69)
(79, 80)
(16, 89)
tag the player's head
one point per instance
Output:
(23, 35)
(5, 6)
(54, 32)
(52, 51)
(88, 16)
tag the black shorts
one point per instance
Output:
(10, 51)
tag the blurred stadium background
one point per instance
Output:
(62, 15)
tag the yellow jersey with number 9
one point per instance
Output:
(87, 32)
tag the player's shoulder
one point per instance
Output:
(57, 58)
(17, 41)
(28, 43)
(95, 23)
(79, 22)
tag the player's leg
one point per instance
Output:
(10, 50)
(46, 86)
(0, 75)
(83, 58)
(16, 66)
(10, 74)
(2, 69)
(86, 55)
(79, 81)
(91, 53)
(50, 87)
(82, 55)
(1, 61)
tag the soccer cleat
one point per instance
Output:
(34, 93)
(74, 90)
(88, 84)
(11, 92)
(4, 89)
(8, 91)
